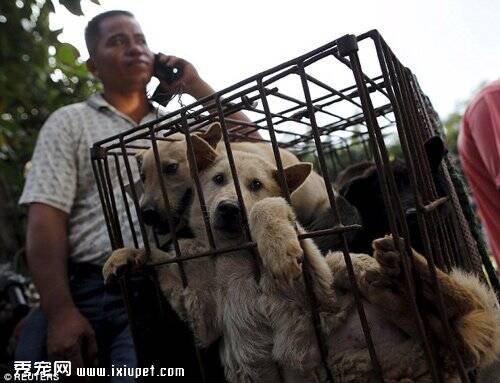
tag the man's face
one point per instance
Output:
(122, 59)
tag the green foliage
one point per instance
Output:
(39, 74)
(451, 126)
(452, 122)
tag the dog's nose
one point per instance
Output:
(228, 217)
(150, 216)
(228, 210)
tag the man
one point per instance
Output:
(67, 241)
(479, 149)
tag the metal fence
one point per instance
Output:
(326, 108)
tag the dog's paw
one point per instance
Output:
(268, 211)
(387, 255)
(273, 228)
(283, 256)
(122, 257)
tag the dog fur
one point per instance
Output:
(222, 306)
(266, 325)
(310, 200)
(471, 308)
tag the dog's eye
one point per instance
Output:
(170, 169)
(218, 179)
(255, 185)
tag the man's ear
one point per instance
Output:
(436, 150)
(204, 154)
(212, 135)
(90, 64)
(295, 175)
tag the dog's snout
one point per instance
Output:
(150, 216)
(228, 217)
(228, 210)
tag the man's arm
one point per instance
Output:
(70, 336)
(191, 83)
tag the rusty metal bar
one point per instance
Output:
(387, 69)
(100, 191)
(338, 229)
(173, 234)
(388, 187)
(113, 202)
(345, 248)
(421, 220)
(209, 253)
(166, 201)
(106, 193)
(125, 201)
(399, 116)
(130, 177)
(193, 168)
(307, 279)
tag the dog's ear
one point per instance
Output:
(295, 175)
(212, 135)
(360, 189)
(139, 189)
(204, 154)
(139, 156)
(435, 149)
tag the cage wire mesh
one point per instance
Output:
(346, 102)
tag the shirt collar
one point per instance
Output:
(98, 102)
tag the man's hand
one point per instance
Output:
(69, 334)
(70, 337)
(189, 81)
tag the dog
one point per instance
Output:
(226, 306)
(310, 200)
(360, 185)
(470, 307)
(265, 324)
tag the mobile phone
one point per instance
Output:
(164, 72)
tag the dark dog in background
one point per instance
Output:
(359, 185)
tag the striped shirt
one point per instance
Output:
(61, 175)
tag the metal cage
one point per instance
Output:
(327, 109)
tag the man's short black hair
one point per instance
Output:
(93, 32)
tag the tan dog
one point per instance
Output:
(470, 306)
(265, 325)
(177, 179)
(224, 306)
(309, 200)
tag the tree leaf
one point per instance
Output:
(73, 6)
(50, 5)
(67, 54)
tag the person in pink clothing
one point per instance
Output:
(479, 150)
